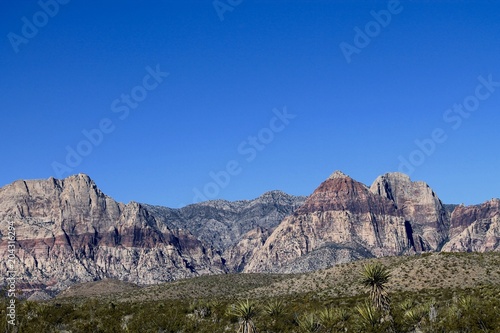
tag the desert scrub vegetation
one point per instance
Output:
(450, 310)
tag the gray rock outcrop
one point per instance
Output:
(68, 231)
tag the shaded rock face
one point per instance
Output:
(232, 228)
(222, 223)
(475, 228)
(68, 231)
(341, 221)
(238, 255)
(420, 206)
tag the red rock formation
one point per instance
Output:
(342, 215)
(69, 231)
(475, 228)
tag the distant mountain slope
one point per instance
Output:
(435, 272)
(222, 223)
(475, 228)
(68, 231)
(343, 220)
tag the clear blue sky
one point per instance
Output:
(225, 78)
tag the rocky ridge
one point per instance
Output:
(341, 221)
(417, 202)
(344, 220)
(68, 231)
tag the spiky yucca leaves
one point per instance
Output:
(327, 317)
(308, 323)
(245, 311)
(333, 319)
(342, 315)
(274, 308)
(416, 315)
(375, 277)
(466, 303)
(370, 316)
(407, 304)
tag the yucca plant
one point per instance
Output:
(370, 316)
(308, 323)
(407, 304)
(245, 311)
(327, 317)
(415, 315)
(274, 308)
(342, 314)
(375, 276)
(333, 319)
(466, 303)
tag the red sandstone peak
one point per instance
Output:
(341, 192)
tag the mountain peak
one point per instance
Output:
(80, 177)
(338, 174)
(396, 175)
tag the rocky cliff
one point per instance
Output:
(68, 231)
(420, 206)
(222, 223)
(344, 220)
(475, 228)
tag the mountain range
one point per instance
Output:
(68, 231)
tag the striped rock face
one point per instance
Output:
(340, 222)
(68, 231)
(344, 220)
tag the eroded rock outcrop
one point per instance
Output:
(68, 231)
(238, 255)
(475, 228)
(342, 220)
(427, 218)
(222, 223)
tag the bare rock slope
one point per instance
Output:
(68, 231)
(344, 220)
(475, 228)
(420, 206)
(341, 221)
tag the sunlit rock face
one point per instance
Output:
(420, 206)
(344, 220)
(68, 231)
(341, 221)
(475, 228)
